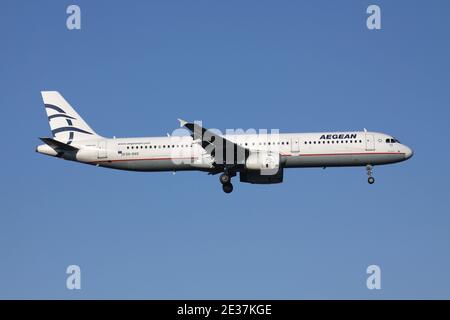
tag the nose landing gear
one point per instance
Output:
(225, 180)
(369, 169)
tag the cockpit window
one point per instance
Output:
(389, 140)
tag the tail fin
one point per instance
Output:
(65, 123)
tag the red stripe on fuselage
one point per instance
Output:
(340, 154)
(285, 155)
(143, 159)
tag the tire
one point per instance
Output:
(227, 188)
(371, 180)
(224, 178)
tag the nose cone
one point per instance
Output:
(408, 153)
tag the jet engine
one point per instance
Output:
(262, 167)
(263, 161)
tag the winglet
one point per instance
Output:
(182, 122)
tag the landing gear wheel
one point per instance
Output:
(369, 169)
(227, 188)
(224, 178)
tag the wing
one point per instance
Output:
(226, 153)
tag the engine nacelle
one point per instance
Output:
(263, 167)
(267, 162)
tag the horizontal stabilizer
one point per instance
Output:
(58, 145)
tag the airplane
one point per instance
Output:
(259, 158)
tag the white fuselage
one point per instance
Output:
(174, 153)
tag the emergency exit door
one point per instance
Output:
(102, 151)
(295, 145)
(370, 142)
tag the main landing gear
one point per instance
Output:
(225, 180)
(369, 169)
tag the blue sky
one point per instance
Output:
(136, 66)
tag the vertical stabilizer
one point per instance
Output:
(65, 123)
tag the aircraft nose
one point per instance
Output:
(408, 152)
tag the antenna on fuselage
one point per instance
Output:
(365, 130)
